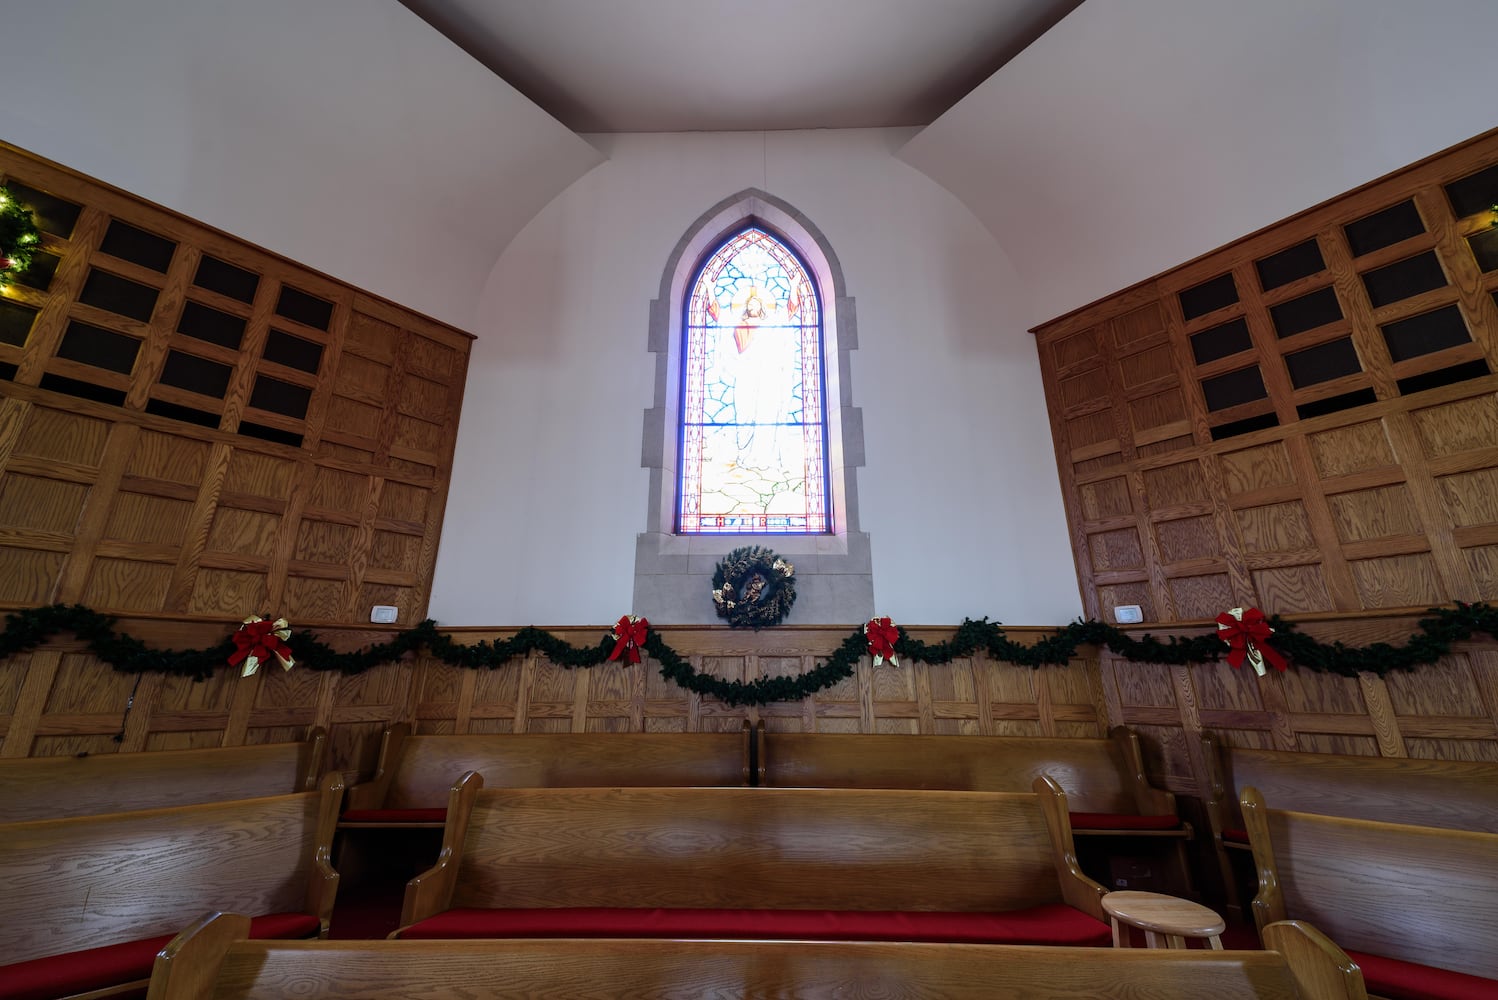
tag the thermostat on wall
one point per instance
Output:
(384, 614)
(1124, 614)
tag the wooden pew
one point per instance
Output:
(212, 959)
(1104, 779)
(415, 773)
(1458, 795)
(1415, 906)
(853, 864)
(91, 899)
(89, 784)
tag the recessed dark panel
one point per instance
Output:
(1382, 229)
(186, 414)
(119, 295)
(1299, 261)
(305, 309)
(275, 396)
(195, 374)
(1314, 309)
(1485, 248)
(1237, 427)
(8, 371)
(91, 345)
(15, 322)
(1208, 296)
(1444, 376)
(83, 390)
(212, 325)
(1220, 341)
(226, 279)
(294, 352)
(270, 434)
(1323, 363)
(1426, 333)
(52, 214)
(126, 242)
(1474, 193)
(39, 273)
(1336, 404)
(1404, 279)
(1233, 389)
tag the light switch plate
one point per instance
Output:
(1128, 614)
(383, 614)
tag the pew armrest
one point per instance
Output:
(1077, 889)
(322, 883)
(431, 892)
(1148, 800)
(372, 794)
(187, 968)
(1320, 968)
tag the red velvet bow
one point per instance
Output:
(1247, 633)
(629, 633)
(259, 639)
(882, 635)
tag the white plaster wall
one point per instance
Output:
(347, 135)
(1133, 137)
(959, 490)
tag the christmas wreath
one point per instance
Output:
(753, 587)
(18, 235)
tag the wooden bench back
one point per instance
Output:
(1458, 795)
(758, 848)
(1416, 893)
(58, 787)
(212, 959)
(89, 881)
(1098, 775)
(419, 771)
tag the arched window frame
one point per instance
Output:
(816, 391)
(672, 571)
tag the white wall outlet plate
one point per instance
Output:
(1128, 614)
(383, 614)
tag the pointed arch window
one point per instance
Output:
(753, 421)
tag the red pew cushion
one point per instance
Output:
(395, 816)
(1390, 977)
(1122, 821)
(1053, 923)
(111, 965)
(1235, 836)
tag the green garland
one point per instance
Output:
(753, 588)
(27, 629)
(19, 236)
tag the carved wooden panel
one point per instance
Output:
(191, 425)
(1303, 421)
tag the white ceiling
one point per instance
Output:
(726, 65)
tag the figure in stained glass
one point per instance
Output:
(752, 455)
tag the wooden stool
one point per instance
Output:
(1166, 920)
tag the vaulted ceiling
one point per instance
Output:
(723, 65)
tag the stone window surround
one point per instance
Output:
(834, 572)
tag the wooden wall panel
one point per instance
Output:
(60, 700)
(206, 429)
(1206, 464)
(1359, 483)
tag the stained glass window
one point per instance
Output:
(753, 455)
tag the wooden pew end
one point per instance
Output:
(1320, 968)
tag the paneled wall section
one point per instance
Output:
(60, 700)
(1304, 421)
(191, 425)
